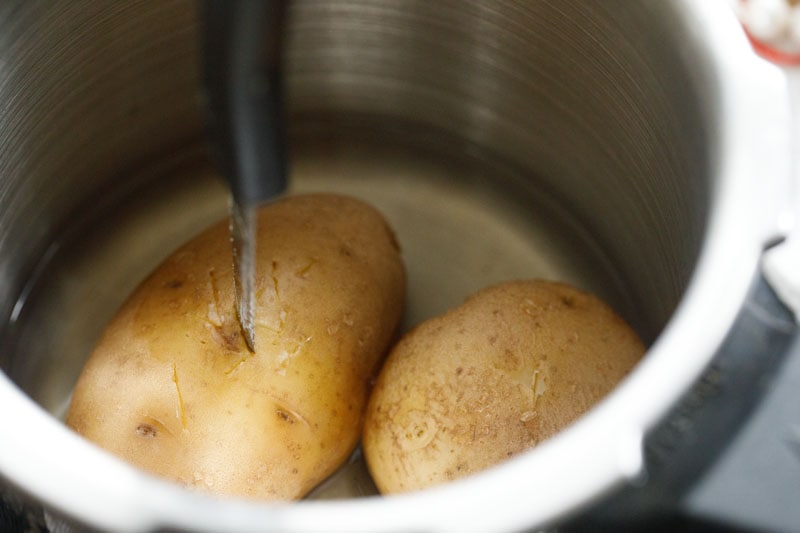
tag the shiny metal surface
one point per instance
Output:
(243, 228)
(607, 144)
(64, 140)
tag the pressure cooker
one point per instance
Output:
(641, 150)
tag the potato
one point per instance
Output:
(171, 386)
(507, 369)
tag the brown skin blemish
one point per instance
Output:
(284, 416)
(174, 284)
(229, 338)
(287, 413)
(146, 430)
(150, 427)
(568, 301)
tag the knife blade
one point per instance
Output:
(242, 52)
(243, 241)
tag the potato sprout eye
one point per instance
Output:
(146, 430)
(286, 417)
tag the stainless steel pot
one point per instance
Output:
(639, 150)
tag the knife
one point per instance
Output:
(242, 48)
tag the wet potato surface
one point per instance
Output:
(510, 367)
(172, 388)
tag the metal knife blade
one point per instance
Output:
(243, 240)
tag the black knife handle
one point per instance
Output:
(242, 49)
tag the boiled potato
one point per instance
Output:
(507, 369)
(171, 386)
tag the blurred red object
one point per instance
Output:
(773, 27)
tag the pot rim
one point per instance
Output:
(598, 452)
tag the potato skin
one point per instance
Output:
(171, 386)
(510, 367)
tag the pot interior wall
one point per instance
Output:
(502, 139)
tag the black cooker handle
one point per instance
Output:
(728, 454)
